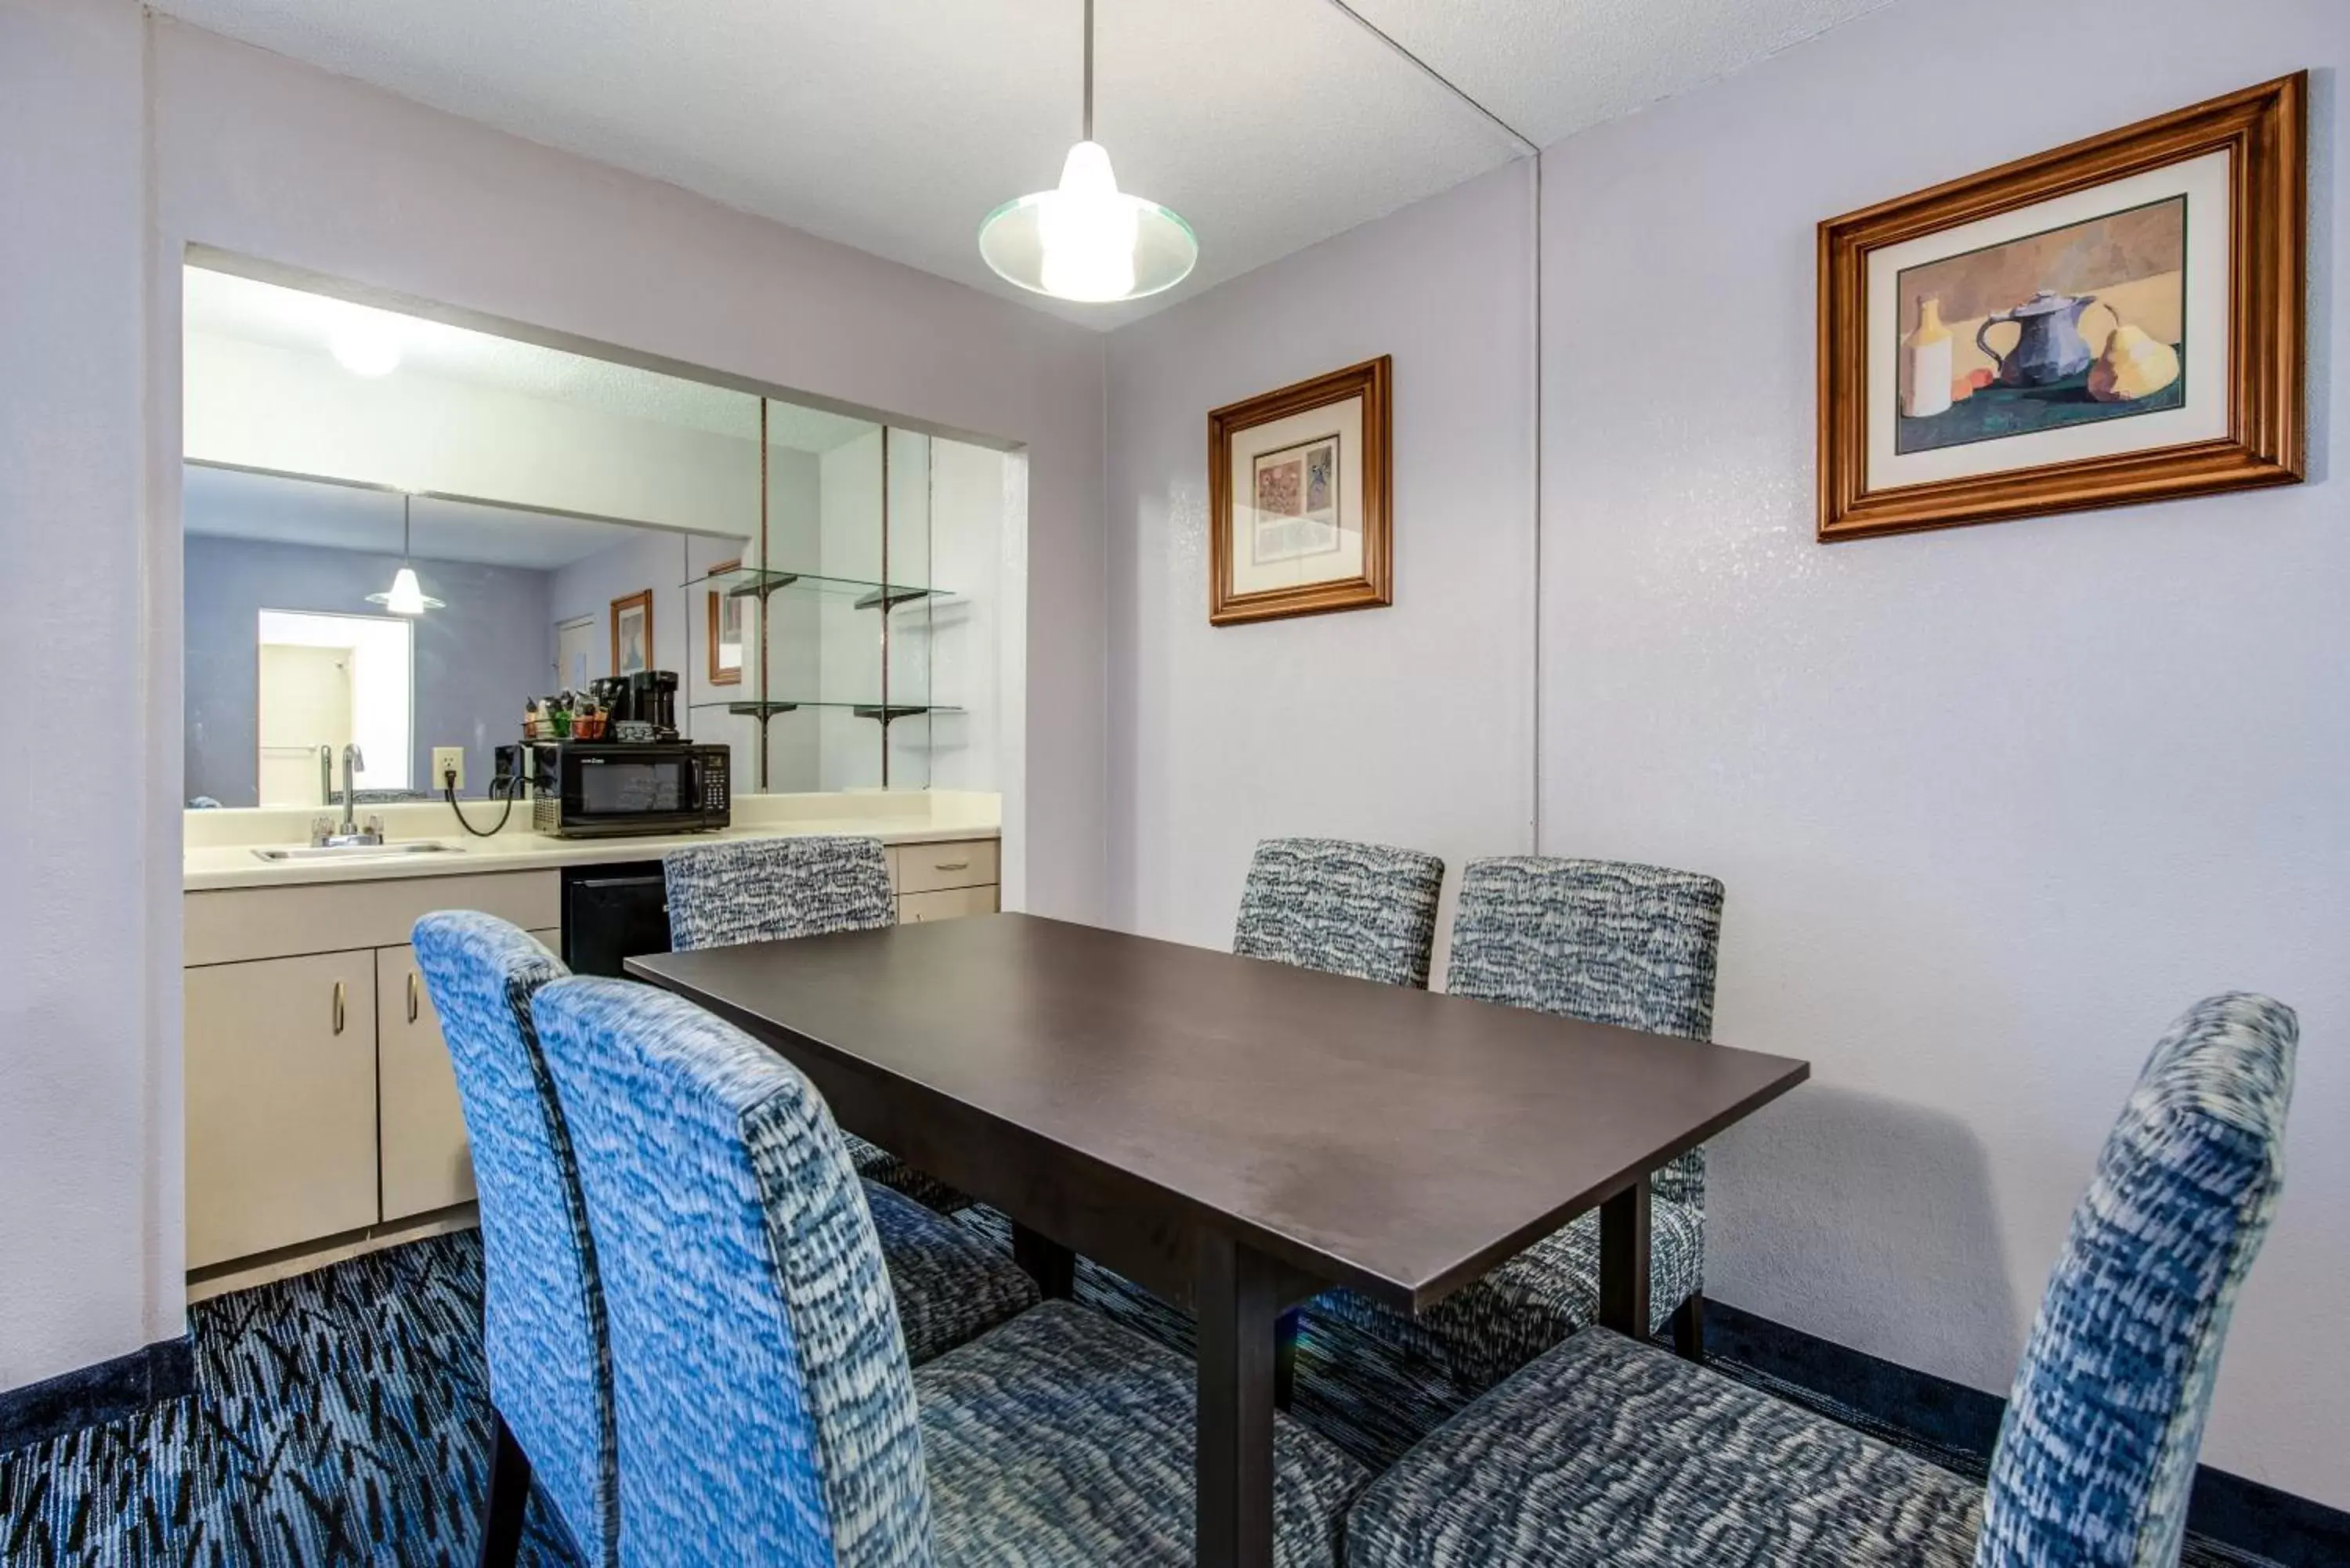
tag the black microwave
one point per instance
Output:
(607, 789)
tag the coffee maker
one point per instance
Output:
(639, 706)
(652, 700)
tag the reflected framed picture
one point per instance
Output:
(2115, 321)
(724, 623)
(1298, 482)
(632, 632)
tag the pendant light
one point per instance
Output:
(406, 596)
(1087, 240)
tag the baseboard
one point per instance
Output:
(90, 1394)
(2236, 1512)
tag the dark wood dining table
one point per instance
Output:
(1233, 1135)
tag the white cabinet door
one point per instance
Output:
(280, 1094)
(426, 1162)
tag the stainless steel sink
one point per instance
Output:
(360, 851)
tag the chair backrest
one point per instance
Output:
(1360, 910)
(765, 1407)
(543, 1309)
(2096, 1452)
(762, 890)
(1602, 941)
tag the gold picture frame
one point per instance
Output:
(1298, 499)
(632, 631)
(723, 605)
(2198, 220)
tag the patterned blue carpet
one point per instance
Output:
(342, 1418)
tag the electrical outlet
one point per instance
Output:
(447, 760)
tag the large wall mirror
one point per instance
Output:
(401, 533)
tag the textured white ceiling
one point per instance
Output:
(231, 504)
(895, 127)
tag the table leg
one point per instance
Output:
(1053, 1266)
(1624, 1261)
(1284, 1356)
(1238, 1302)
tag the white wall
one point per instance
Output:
(964, 632)
(136, 139)
(1993, 805)
(1409, 725)
(259, 406)
(90, 1117)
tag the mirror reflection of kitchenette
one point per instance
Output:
(476, 622)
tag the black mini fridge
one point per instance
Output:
(611, 913)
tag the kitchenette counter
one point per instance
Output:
(221, 845)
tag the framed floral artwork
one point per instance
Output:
(1298, 481)
(2115, 321)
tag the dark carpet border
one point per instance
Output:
(2244, 1515)
(90, 1395)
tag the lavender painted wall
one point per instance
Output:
(1411, 724)
(142, 138)
(475, 660)
(1992, 805)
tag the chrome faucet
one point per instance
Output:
(348, 831)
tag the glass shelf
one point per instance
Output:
(768, 710)
(759, 582)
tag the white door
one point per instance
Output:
(575, 648)
(304, 704)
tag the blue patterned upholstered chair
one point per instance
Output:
(1606, 1451)
(1360, 910)
(770, 890)
(1607, 942)
(766, 1413)
(542, 1310)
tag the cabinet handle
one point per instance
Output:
(338, 1007)
(951, 866)
(412, 996)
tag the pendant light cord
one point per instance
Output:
(1089, 71)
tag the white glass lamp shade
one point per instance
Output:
(1085, 239)
(407, 594)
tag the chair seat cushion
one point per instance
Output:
(1606, 1451)
(951, 1285)
(875, 1163)
(1065, 1441)
(1487, 1330)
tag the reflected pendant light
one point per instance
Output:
(1087, 240)
(406, 596)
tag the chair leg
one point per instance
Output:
(1688, 1328)
(1284, 1358)
(502, 1503)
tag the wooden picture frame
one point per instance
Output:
(641, 601)
(2247, 404)
(719, 675)
(1331, 489)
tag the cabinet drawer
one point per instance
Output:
(927, 868)
(944, 904)
(280, 1095)
(230, 924)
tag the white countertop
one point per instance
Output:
(221, 844)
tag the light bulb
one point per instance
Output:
(366, 345)
(1088, 230)
(406, 595)
(1085, 239)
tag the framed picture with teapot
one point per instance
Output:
(2119, 320)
